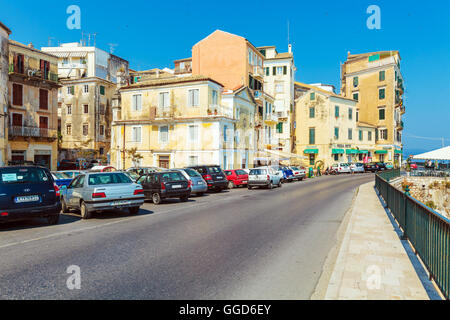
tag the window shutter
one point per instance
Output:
(284, 69)
(274, 70)
(196, 97)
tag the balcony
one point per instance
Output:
(399, 125)
(165, 113)
(32, 73)
(270, 118)
(282, 115)
(217, 110)
(400, 85)
(402, 109)
(32, 132)
(258, 72)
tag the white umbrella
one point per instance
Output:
(439, 154)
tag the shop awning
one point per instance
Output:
(351, 151)
(311, 151)
(337, 151)
(363, 151)
(398, 151)
(380, 151)
(284, 155)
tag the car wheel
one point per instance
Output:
(200, 194)
(52, 220)
(230, 185)
(156, 198)
(133, 210)
(64, 207)
(249, 187)
(184, 199)
(279, 184)
(270, 186)
(85, 213)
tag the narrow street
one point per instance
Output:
(239, 244)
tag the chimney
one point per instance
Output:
(30, 45)
(290, 48)
(157, 73)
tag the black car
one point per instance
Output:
(28, 192)
(214, 176)
(381, 165)
(371, 167)
(166, 184)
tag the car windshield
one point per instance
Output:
(228, 173)
(22, 175)
(133, 175)
(241, 172)
(61, 175)
(214, 170)
(108, 178)
(192, 173)
(172, 176)
(294, 168)
(255, 172)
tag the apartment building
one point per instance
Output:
(181, 121)
(88, 76)
(327, 130)
(4, 77)
(375, 81)
(279, 75)
(32, 106)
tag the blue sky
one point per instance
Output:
(154, 33)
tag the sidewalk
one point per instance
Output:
(372, 262)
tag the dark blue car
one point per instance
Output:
(61, 179)
(28, 192)
(288, 174)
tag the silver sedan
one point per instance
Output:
(99, 191)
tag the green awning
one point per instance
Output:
(351, 151)
(311, 151)
(363, 151)
(398, 151)
(337, 151)
(381, 152)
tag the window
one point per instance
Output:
(101, 150)
(280, 127)
(267, 71)
(136, 134)
(356, 96)
(312, 112)
(102, 109)
(193, 97)
(69, 109)
(350, 134)
(193, 160)
(102, 130)
(45, 69)
(224, 133)
(214, 97)
(86, 88)
(43, 99)
(71, 90)
(86, 108)
(69, 129)
(357, 115)
(381, 93)
(383, 134)
(382, 75)
(163, 99)
(336, 111)
(137, 102)
(274, 71)
(355, 81)
(17, 94)
(369, 135)
(350, 113)
(279, 88)
(102, 90)
(284, 69)
(360, 133)
(279, 70)
(312, 135)
(312, 96)
(336, 157)
(336, 132)
(164, 134)
(381, 114)
(312, 159)
(193, 133)
(85, 129)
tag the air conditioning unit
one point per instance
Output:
(34, 73)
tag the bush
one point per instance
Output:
(430, 204)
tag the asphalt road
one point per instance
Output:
(239, 244)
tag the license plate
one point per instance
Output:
(200, 182)
(121, 203)
(176, 186)
(26, 199)
(245, 181)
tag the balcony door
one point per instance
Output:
(43, 126)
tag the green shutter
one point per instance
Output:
(381, 113)
(355, 96)
(382, 75)
(336, 133)
(284, 69)
(72, 89)
(274, 70)
(355, 81)
(350, 113)
(381, 93)
(360, 135)
(312, 112)
(312, 96)
(102, 90)
(312, 136)
(336, 111)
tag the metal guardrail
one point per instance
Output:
(427, 231)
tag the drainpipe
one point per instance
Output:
(123, 147)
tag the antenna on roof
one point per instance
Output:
(95, 37)
(50, 41)
(112, 47)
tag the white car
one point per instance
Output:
(263, 177)
(357, 167)
(341, 168)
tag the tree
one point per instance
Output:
(134, 156)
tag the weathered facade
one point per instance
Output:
(4, 65)
(375, 81)
(33, 106)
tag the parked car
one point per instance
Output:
(134, 176)
(144, 170)
(341, 168)
(389, 165)
(357, 167)
(68, 165)
(414, 166)
(299, 172)
(236, 178)
(381, 165)
(263, 177)
(371, 167)
(198, 184)
(102, 169)
(165, 184)
(61, 179)
(72, 173)
(99, 191)
(214, 176)
(28, 192)
(285, 173)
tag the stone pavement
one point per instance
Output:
(372, 263)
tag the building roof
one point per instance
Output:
(351, 57)
(18, 44)
(167, 81)
(185, 59)
(282, 55)
(5, 27)
(328, 93)
(365, 124)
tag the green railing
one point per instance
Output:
(427, 231)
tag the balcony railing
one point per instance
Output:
(258, 71)
(33, 73)
(166, 112)
(271, 117)
(34, 132)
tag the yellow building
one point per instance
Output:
(374, 79)
(181, 121)
(33, 106)
(4, 77)
(326, 128)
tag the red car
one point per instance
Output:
(236, 178)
